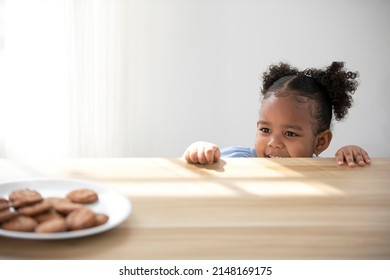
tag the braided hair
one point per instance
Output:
(331, 89)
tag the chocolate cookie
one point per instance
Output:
(35, 209)
(65, 207)
(54, 200)
(47, 216)
(6, 215)
(24, 197)
(20, 223)
(101, 219)
(4, 204)
(54, 225)
(83, 196)
(80, 219)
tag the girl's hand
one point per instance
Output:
(202, 152)
(352, 155)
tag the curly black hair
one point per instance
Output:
(329, 88)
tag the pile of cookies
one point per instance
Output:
(26, 210)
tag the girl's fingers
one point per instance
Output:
(201, 156)
(366, 157)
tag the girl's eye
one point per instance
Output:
(290, 134)
(265, 130)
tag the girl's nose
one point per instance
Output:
(276, 142)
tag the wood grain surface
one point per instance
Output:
(234, 209)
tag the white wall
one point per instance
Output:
(202, 61)
(183, 70)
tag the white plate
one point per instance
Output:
(113, 204)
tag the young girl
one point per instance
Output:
(295, 116)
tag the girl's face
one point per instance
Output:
(285, 128)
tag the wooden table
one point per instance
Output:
(234, 209)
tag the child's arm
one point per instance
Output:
(352, 155)
(202, 152)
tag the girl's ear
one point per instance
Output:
(323, 141)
